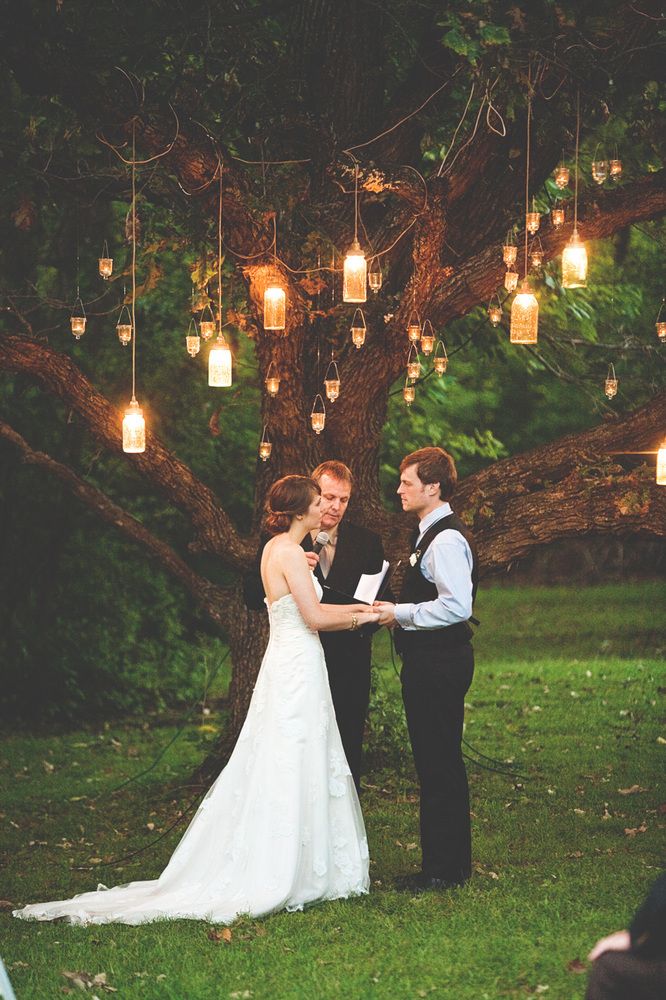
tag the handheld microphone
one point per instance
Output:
(320, 541)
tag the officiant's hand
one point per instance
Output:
(313, 560)
(386, 612)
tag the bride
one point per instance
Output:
(281, 827)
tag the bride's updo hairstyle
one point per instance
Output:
(288, 497)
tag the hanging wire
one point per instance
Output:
(133, 258)
(527, 165)
(219, 256)
(576, 163)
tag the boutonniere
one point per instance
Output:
(414, 558)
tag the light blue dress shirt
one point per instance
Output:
(447, 563)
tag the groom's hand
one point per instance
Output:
(313, 560)
(386, 612)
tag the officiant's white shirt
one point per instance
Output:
(447, 563)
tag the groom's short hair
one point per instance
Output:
(434, 465)
(334, 469)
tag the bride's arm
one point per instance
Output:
(321, 617)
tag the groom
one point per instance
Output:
(351, 551)
(432, 635)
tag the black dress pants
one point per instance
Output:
(625, 975)
(349, 680)
(434, 685)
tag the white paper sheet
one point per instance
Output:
(369, 584)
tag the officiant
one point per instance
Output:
(350, 552)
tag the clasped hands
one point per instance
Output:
(386, 612)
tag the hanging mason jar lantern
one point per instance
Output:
(272, 380)
(495, 310)
(414, 327)
(219, 364)
(193, 340)
(536, 255)
(124, 326)
(524, 327)
(561, 175)
(105, 263)
(660, 325)
(427, 338)
(332, 381)
(78, 318)
(599, 170)
(574, 263)
(265, 445)
(440, 361)
(611, 383)
(557, 217)
(275, 305)
(318, 414)
(661, 464)
(375, 276)
(358, 329)
(134, 429)
(409, 392)
(207, 322)
(413, 363)
(354, 275)
(615, 169)
(532, 220)
(509, 251)
(511, 280)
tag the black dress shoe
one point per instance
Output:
(417, 884)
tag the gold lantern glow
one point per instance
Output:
(414, 327)
(77, 320)
(409, 392)
(427, 338)
(355, 275)
(511, 280)
(358, 329)
(574, 263)
(413, 363)
(275, 305)
(207, 322)
(532, 221)
(561, 175)
(524, 316)
(332, 381)
(557, 217)
(134, 429)
(375, 276)
(318, 414)
(660, 325)
(105, 263)
(193, 340)
(615, 169)
(611, 382)
(536, 255)
(509, 254)
(495, 310)
(124, 326)
(440, 361)
(272, 380)
(599, 170)
(265, 445)
(661, 464)
(219, 364)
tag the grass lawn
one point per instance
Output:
(569, 687)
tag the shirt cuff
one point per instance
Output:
(403, 615)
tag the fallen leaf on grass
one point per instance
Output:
(86, 981)
(241, 994)
(575, 854)
(6, 904)
(48, 767)
(575, 965)
(634, 790)
(224, 935)
(632, 831)
(19, 965)
(661, 739)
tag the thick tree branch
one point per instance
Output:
(212, 599)
(59, 375)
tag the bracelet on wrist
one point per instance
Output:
(354, 623)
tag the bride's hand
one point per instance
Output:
(360, 618)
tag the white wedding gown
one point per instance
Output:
(282, 825)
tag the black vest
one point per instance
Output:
(416, 590)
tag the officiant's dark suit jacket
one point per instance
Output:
(347, 653)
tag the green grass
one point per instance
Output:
(569, 686)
